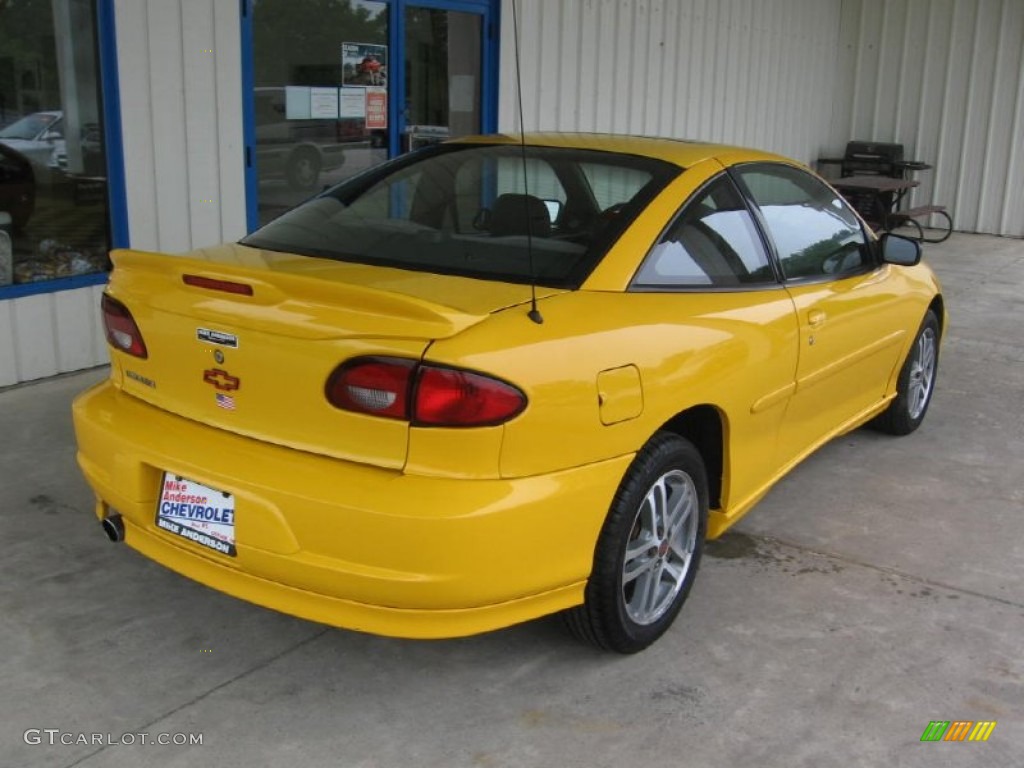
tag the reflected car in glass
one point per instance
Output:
(487, 382)
(298, 150)
(38, 137)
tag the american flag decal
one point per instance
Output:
(225, 401)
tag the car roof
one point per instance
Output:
(681, 152)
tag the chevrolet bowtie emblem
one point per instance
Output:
(221, 379)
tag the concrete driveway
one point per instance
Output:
(876, 589)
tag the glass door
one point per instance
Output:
(443, 75)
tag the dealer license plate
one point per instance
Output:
(196, 512)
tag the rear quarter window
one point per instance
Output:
(712, 243)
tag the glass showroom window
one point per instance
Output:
(321, 75)
(53, 186)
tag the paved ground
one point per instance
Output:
(879, 587)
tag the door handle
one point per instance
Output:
(816, 318)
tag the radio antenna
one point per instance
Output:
(534, 313)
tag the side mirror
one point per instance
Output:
(901, 251)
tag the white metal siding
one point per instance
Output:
(181, 102)
(50, 333)
(945, 78)
(758, 73)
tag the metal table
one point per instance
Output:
(876, 198)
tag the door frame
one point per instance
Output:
(489, 10)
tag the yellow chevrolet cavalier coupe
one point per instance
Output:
(490, 381)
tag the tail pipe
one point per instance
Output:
(113, 526)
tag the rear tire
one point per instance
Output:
(648, 551)
(916, 382)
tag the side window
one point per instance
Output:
(814, 230)
(713, 242)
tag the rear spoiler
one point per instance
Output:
(283, 294)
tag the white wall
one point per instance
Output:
(751, 72)
(181, 104)
(50, 333)
(946, 79)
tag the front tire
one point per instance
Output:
(916, 382)
(648, 551)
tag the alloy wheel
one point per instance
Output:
(660, 547)
(922, 373)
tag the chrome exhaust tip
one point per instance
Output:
(113, 526)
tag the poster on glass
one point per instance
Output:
(364, 64)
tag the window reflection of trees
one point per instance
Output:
(813, 229)
(29, 80)
(808, 236)
(298, 42)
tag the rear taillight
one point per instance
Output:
(449, 397)
(378, 386)
(426, 395)
(122, 332)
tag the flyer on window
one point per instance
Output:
(364, 64)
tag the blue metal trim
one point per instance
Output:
(396, 75)
(52, 286)
(252, 211)
(491, 68)
(465, 6)
(110, 89)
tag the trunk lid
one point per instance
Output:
(257, 364)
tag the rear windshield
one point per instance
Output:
(465, 210)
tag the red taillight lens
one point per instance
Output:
(448, 397)
(377, 386)
(426, 395)
(122, 332)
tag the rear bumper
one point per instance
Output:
(346, 544)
